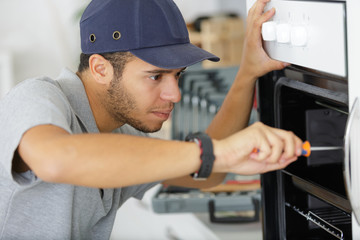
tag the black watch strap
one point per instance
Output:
(207, 154)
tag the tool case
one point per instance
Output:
(223, 203)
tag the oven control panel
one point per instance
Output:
(308, 34)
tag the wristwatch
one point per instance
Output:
(207, 157)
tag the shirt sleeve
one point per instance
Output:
(31, 103)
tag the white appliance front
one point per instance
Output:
(300, 34)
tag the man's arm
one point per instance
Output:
(117, 160)
(104, 160)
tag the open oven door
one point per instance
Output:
(352, 157)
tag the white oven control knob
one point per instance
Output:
(298, 36)
(283, 33)
(268, 31)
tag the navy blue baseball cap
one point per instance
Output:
(152, 30)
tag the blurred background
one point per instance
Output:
(40, 37)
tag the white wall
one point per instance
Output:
(237, 6)
(192, 9)
(40, 36)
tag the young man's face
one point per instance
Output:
(144, 96)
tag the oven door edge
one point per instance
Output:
(352, 165)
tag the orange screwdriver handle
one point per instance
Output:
(306, 149)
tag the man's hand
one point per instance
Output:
(276, 149)
(255, 62)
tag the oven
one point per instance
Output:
(316, 197)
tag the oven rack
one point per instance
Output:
(332, 107)
(321, 222)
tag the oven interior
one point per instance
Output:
(309, 196)
(314, 200)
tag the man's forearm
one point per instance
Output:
(105, 160)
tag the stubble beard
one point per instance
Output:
(120, 104)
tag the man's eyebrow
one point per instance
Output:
(164, 70)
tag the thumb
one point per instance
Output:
(277, 65)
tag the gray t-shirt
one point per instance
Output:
(31, 208)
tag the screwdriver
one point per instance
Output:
(307, 149)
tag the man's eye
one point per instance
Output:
(155, 77)
(180, 73)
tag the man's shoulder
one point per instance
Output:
(35, 94)
(38, 84)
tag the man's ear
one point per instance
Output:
(101, 69)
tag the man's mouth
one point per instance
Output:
(163, 114)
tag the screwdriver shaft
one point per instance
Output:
(324, 148)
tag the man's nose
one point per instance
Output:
(171, 90)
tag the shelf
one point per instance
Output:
(321, 192)
(329, 176)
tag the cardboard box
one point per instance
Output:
(223, 37)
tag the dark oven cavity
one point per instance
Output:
(307, 199)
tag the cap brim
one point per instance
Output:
(174, 56)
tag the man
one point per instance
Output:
(73, 150)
